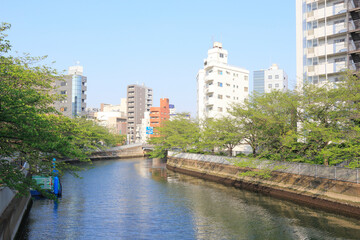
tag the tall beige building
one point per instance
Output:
(327, 39)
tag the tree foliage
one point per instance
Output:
(180, 133)
(31, 129)
(317, 124)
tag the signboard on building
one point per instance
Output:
(149, 130)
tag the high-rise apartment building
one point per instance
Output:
(139, 100)
(73, 89)
(270, 79)
(219, 84)
(327, 39)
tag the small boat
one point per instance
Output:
(50, 184)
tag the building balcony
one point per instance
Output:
(353, 4)
(354, 66)
(329, 30)
(330, 49)
(210, 89)
(322, 69)
(331, 10)
(210, 101)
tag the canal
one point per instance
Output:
(140, 199)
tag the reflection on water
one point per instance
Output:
(140, 199)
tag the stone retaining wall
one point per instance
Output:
(331, 195)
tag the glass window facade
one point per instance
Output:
(259, 81)
(76, 95)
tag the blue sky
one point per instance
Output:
(159, 43)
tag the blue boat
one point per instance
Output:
(50, 184)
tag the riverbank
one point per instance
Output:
(13, 208)
(326, 194)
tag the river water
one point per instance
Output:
(140, 199)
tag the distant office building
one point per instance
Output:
(172, 111)
(115, 121)
(219, 84)
(73, 89)
(327, 39)
(122, 107)
(270, 79)
(139, 100)
(142, 134)
(159, 114)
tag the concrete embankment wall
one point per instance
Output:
(134, 152)
(326, 194)
(12, 211)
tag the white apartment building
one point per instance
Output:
(270, 79)
(327, 39)
(219, 84)
(141, 135)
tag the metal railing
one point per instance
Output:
(312, 170)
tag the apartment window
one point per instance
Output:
(221, 55)
(270, 77)
(63, 92)
(228, 85)
(270, 85)
(276, 85)
(63, 83)
(313, 61)
(276, 76)
(339, 40)
(220, 96)
(83, 100)
(312, 25)
(219, 72)
(220, 109)
(227, 72)
(246, 89)
(311, 6)
(210, 95)
(83, 92)
(312, 43)
(220, 84)
(246, 78)
(340, 59)
(227, 96)
(339, 21)
(63, 109)
(315, 79)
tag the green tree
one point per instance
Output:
(180, 133)
(223, 133)
(31, 129)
